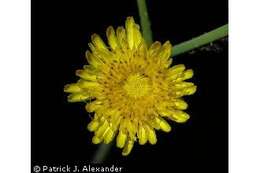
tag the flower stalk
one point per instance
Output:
(145, 22)
(102, 153)
(201, 40)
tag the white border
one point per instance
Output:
(14, 86)
(244, 89)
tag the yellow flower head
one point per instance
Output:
(131, 88)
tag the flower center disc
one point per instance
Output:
(137, 86)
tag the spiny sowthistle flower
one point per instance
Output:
(131, 88)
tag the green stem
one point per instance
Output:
(102, 153)
(145, 22)
(200, 40)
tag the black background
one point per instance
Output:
(61, 30)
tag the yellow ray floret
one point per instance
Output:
(132, 89)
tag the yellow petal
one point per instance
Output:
(88, 84)
(109, 135)
(154, 48)
(164, 112)
(151, 135)
(129, 25)
(93, 106)
(72, 88)
(102, 129)
(187, 74)
(98, 42)
(137, 36)
(165, 52)
(179, 116)
(78, 97)
(154, 124)
(93, 125)
(111, 36)
(175, 71)
(96, 140)
(190, 90)
(121, 37)
(142, 49)
(142, 135)
(92, 60)
(163, 125)
(128, 147)
(168, 63)
(121, 139)
(104, 56)
(184, 88)
(85, 75)
(131, 129)
(180, 104)
(116, 119)
(183, 85)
